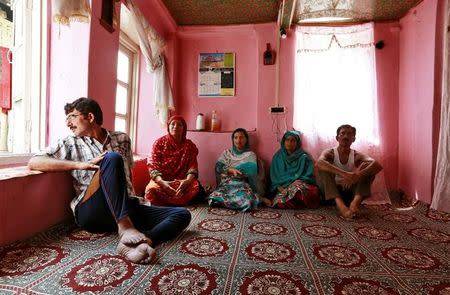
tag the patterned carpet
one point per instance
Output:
(385, 251)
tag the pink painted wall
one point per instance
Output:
(238, 39)
(68, 72)
(267, 143)
(102, 78)
(149, 127)
(255, 88)
(416, 95)
(32, 204)
(387, 79)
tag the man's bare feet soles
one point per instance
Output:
(141, 253)
(132, 236)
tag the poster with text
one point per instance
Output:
(216, 74)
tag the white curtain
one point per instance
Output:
(151, 45)
(335, 84)
(441, 195)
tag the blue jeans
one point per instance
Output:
(109, 204)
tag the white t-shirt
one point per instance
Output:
(349, 166)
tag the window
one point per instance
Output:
(22, 127)
(335, 83)
(127, 65)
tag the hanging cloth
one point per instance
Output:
(151, 45)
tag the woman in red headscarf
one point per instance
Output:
(173, 167)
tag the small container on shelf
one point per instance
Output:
(200, 122)
(215, 122)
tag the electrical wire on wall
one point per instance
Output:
(279, 125)
(277, 117)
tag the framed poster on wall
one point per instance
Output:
(216, 74)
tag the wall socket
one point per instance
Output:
(277, 109)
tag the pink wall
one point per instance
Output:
(238, 39)
(149, 127)
(387, 80)
(102, 78)
(68, 73)
(32, 204)
(255, 88)
(267, 143)
(416, 95)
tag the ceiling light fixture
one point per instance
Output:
(333, 11)
(283, 33)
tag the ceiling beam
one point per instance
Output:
(287, 13)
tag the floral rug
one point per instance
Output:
(385, 251)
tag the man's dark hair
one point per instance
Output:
(346, 126)
(85, 106)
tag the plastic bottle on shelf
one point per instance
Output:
(200, 122)
(215, 122)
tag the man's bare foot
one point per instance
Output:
(132, 236)
(354, 205)
(354, 208)
(141, 253)
(345, 212)
(348, 214)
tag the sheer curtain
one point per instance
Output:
(441, 194)
(335, 84)
(151, 45)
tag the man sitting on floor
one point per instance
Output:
(345, 174)
(100, 162)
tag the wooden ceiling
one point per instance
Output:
(230, 12)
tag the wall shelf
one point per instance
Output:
(222, 131)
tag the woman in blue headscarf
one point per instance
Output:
(292, 181)
(237, 169)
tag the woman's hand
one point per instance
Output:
(184, 184)
(164, 185)
(281, 189)
(234, 172)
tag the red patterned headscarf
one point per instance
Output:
(181, 119)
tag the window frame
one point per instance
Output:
(34, 25)
(132, 50)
